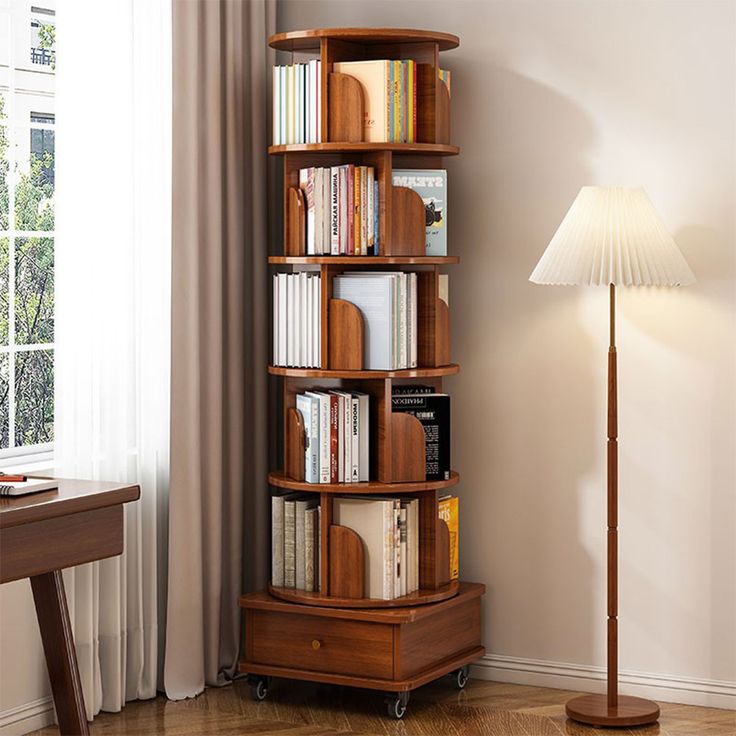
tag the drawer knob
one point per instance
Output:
(316, 644)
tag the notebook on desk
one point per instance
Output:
(32, 485)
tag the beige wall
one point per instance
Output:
(547, 97)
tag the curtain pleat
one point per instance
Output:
(219, 335)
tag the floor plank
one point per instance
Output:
(307, 709)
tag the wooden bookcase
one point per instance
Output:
(336, 634)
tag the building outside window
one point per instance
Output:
(27, 177)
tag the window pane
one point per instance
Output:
(34, 189)
(4, 401)
(4, 293)
(34, 397)
(34, 290)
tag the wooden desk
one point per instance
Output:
(43, 533)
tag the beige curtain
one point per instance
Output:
(218, 511)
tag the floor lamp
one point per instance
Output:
(612, 236)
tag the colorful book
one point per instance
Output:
(431, 185)
(448, 512)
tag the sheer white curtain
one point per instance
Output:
(113, 265)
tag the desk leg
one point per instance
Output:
(61, 659)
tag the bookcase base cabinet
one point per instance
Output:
(394, 650)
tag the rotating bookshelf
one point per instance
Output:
(335, 632)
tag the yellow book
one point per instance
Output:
(374, 77)
(396, 117)
(448, 512)
(410, 100)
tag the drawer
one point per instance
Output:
(322, 644)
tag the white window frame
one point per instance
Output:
(37, 455)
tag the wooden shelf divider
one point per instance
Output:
(295, 441)
(346, 108)
(295, 222)
(346, 336)
(407, 449)
(407, 224)
(347, 563)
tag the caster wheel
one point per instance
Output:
(258, 688)
(460, 677)
(396, 705)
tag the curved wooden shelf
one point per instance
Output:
(365, 260)
(417, 598)
(282, 480)
(442, 370)
(310, 39)
(425, 149)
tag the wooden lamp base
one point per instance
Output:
(594, 710)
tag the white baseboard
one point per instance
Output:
(585, 678)
(27, 717)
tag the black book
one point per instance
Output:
(406, 390)
(433, 411)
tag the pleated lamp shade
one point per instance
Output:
(612, 235)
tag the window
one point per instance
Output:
(27, 167)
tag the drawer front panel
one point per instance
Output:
(322, 645)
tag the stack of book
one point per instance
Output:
(342, 210)
(295, 545)
(336, 425)
(390, 98)
(297, 101)
(431, 186)
(297, 336)
(389, 528)
(433, 411)
(388, 303)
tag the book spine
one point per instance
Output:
(355, 438)
(397, 101)
(404, 102)
(344, 209)
(324, 439)
(356, 210)
(289, 544)
(335, 210)
(334, 439)
(364, 454)
(376, 222)
(277, 541)
(363, 210)
(448, 510)
(304, 407)
(299, 545)
(275, 318)
(275, 93)
(397, 549)
(314, 476)
(388, 550)
(403, 552)
(371, 205)
(350, 208)
(347, 424)
(319, 101)
(326, 211)
(309, 518)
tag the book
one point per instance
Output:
(448, 508)
(277, 541)
(364, 436)
(374, 77)
(311, 531)
(31, 485)
(431, 185)
(403, 551)
(296, 99)
(373, 519)
(300, 509)
(290, 540)
(296, 319)
(433, 412)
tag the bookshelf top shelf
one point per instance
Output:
(443, 370)
(309, 40)
(424, 149)
(281, 480)
(365, 260)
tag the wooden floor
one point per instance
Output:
(303, 709)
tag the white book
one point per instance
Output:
(307, 104)
(282, 103)
(324, 435)
(300, 541)
(306, 184)
(403, 551)
(319, 101)
(372, 519)
(355, 439)
(277, 541)
(373, 295)
(309, 307)
(397, 548)
(317, 316)
(403, 361)
(276, 94)
(317, 195)
(346, 424)
(283, 287)
(311, 528)
(415, 544)
(275, 320)
(363, 436)
(290, 343)
(298, 98)
(290, 103)
(303, 299)
(308, 407)
(296, 324)
(289, 541)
